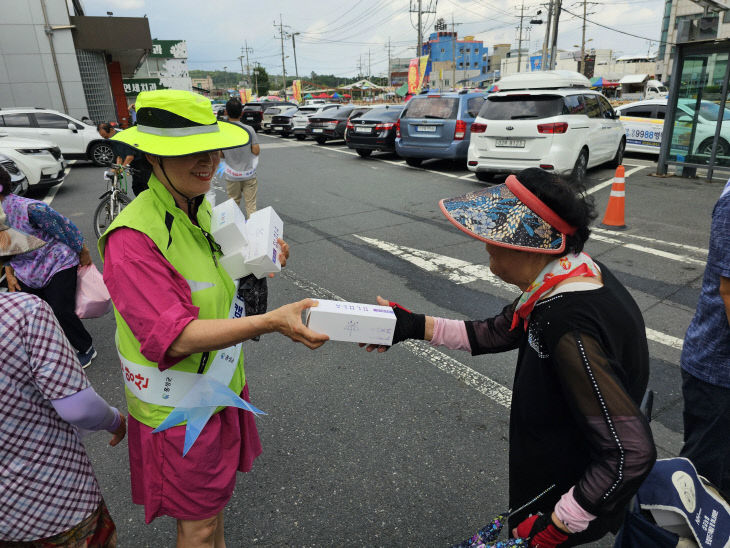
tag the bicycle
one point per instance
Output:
(114, 199)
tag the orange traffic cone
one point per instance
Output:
(614, 217)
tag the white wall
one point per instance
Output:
(27, 74)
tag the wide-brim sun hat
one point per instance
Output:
(14, 242)
(509, 215)
(173, 122)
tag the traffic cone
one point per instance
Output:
(614, 217)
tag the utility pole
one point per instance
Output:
(416, 6)
(519, 41)
(240, 58)
(388, 79)
(370, 72)
(453, 52)
(283, 65)
(554, 42)
(294, 46)
(544, 60)
(256, 80)
(583, 42)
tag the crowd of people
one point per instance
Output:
(576, 430)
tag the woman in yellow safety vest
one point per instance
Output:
(178, 318)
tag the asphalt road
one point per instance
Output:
(406, 448)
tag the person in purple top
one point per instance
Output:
(49, 272)
(50, 496)
(705, 361)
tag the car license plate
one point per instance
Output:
(510, 143)
(427, 129)
(361, 129)
(276, 127)
(317, 130)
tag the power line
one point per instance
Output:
(617, 30)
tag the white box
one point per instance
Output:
(235, 264)
(263, 228)
(352, 322)
(228, 227)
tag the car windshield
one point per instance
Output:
(308, 110)
(441, 108)
(517, 107)
(709, 111)
(253, 107)
(382, 114)
(272, 110)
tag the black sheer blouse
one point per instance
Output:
(582, 369)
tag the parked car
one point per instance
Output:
(643, 122)
(332, 124)
(18, 180)
(75, 138)
(374, 130)
(437, 125)
(253, 112)
(300, 121)
(282, 123)
(40, 161)
(549, 119)
(270, 112)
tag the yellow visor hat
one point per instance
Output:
(174, 122)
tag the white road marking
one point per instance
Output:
(52, 191)
(649, 250)
(595, 229)
(285, 144)
(604, 184)
(493, 390)
(462, 272)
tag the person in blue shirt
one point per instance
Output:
(705, 361)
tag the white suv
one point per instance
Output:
(76, 139)
(300, 121)
(40, 161)
(549, 119)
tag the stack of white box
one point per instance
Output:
(352, 322)
(248, 247)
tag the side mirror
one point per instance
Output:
(72, 127)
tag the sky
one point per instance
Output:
(336, 34)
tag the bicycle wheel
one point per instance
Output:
(107, 210)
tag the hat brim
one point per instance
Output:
(14, 242)
(496, 216)
(227, 136)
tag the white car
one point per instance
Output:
(300, 121)
(548, 119)
(644, 125)
(76, 139)
(40, 161)
(18, 180)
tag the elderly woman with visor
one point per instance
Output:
(582, 366)
(177, 319)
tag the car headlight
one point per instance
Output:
(33, 151)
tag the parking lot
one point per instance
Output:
(407, 447)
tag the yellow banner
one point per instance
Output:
(245, 95)
(413, 77)
(296, 87)
(422, 64)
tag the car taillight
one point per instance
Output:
(460, 130)
(555, 127)
(397, 129)
(383, 127)
(349, 125)
(332, 122)
(478, 128)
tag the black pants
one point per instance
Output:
(60, 294)
(707, 430)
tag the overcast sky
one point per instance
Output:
(335, 34)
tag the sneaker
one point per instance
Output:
(86, 357)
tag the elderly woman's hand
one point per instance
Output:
(287, 320)
(84, 256)
(13, 284)
(407, 326)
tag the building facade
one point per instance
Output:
(684, 21)
(454, 60)
(53, 56)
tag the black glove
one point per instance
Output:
(407, 324)
(255, 295)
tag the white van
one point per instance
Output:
(548, 119)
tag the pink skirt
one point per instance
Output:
(199, 485)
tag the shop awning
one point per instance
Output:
(634, 79)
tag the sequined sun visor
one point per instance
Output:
(508, 215)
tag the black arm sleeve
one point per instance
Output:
(493, 335)
(621, 444)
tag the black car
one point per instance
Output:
(253, 113)
(374, 130)
(282, 123)
(330, 124)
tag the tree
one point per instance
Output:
(261, 78)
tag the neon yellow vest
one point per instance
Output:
(184, 245)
